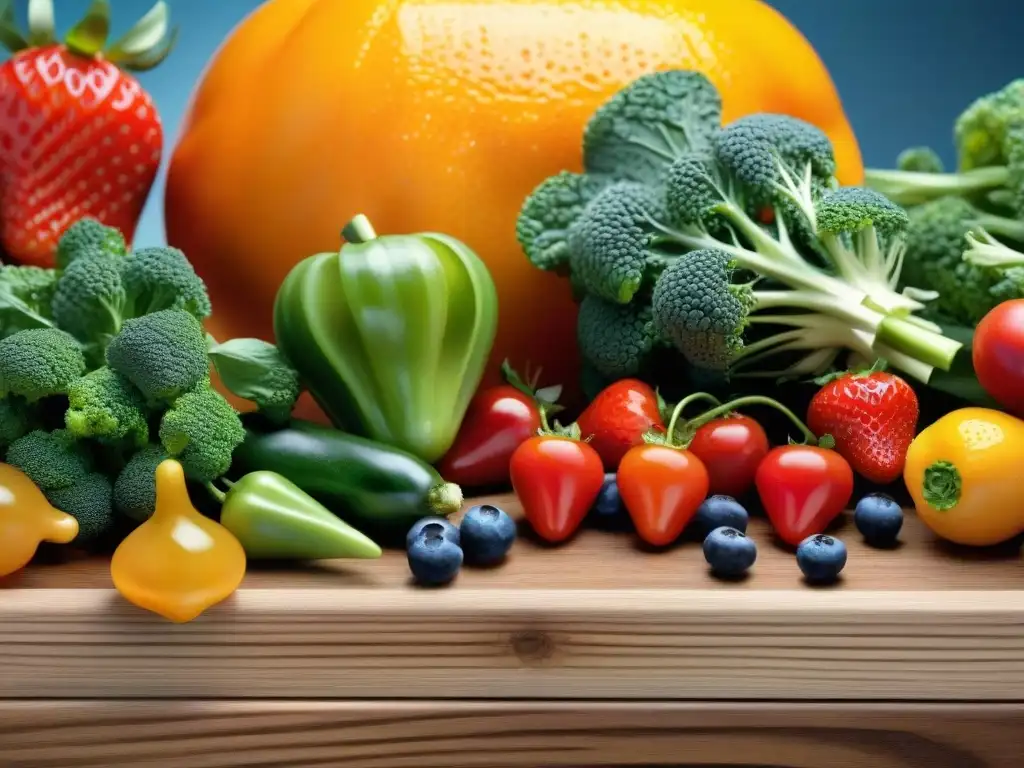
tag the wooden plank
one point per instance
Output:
(168, 734)
(598, 618)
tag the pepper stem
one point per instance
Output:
(942, 485)
(359, 230)
(445, 499)
(216, 492)
(678, 410)
(721, 410)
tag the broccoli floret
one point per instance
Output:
(88, 236)
(162, 278)
(989, 137)
(614, 338)
(17, 418)
(163, 354)
(89, 501)
(543, 225)
(649, 123)
(38, 363)
(135, 487)
(25, 297)
(51, 459)
(104, 405)
(609, 241)
(257, 371)
(202, 430)
(923, 159)
(90, 299)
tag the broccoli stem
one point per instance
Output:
(359, 230)
(985, 251)
(740, 402)
(915, 187)
(1002, 226)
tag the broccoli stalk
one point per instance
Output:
(984, 250)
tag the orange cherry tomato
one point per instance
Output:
(661, 487)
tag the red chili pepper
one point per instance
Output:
(557, 478)
(498, 420)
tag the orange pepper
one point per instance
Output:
(26, 519)
(178, 563)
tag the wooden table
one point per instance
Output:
(595, 653)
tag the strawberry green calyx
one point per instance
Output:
(668, 438)
(546, 398)
(824, 441)
(877, 367)
(569, 432)
(142, 47)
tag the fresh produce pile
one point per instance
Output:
(702, 256)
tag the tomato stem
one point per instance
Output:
(359, 230)
(721, 410)
(678, 410)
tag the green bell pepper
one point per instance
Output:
(391, 335)
(274, 519)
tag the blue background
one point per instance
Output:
(904, 68)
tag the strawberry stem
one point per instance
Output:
(678, 410)
(721, 410)
(89, 35)
(41, 28)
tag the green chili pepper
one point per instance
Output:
(274, 519)
(391, 335)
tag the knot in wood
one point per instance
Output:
(533, 646)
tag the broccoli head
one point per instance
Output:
(52, 460)
(162, 278)
(923, 159)
(25, 297)
(104, 405)
(542, 228)
(17, 418)
(38, 363)
(201, 430)
(257, 371)
(89, 501)
(163, 354)
(135, 487)
(90, 299)
(614, 338)
(88, 236)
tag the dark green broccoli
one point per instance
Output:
(135, 487)
(52, 460)
(89, 501)
(104, 405)
(89, 236)
(989, 137)
(543, 225)
(38, 363)
(162, 278)
(256, 370)
(163, 354)
(922, 159)
(202, 430)
(614, 338)
(90, 299)
(936, 241)
(25, 297)
(17, 418)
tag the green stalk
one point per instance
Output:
(359, 230)
(678, 410)
(727, 408)
(916, 187)
(1001, 225)
(925, 346)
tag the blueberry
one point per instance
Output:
(821, 558)
(718, 512)
(487, 534)
(879, 519)
(729, 552)
(434, 559)
(448, 530)
(608, 509)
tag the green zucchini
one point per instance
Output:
(379, 490)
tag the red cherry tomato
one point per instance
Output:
(661, 488)
(731, 448)
(557, 480)
(998, 355)
(803, 488)
(498, 420)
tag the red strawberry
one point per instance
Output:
(873, 417)
(79, 137)
(618, 417)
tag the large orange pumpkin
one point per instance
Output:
(443, 115)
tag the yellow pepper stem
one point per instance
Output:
(942, 485)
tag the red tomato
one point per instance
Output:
(731, 448)
(557, 480)
(498, 420)
(803, 488)
(998, 354)
(661, 488)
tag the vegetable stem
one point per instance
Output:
(216, 492)
(721, 410)
(678, 410)
(359, 230)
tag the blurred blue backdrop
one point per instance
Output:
(904, 68)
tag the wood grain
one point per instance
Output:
(168, 734)
(595, 619)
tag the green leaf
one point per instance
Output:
(41, 28)
(148, 33)
(250, 368)
(10, 36)
(152, 58)
(89, 35)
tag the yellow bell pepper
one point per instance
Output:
(964, 474)
(26, 519)
(178, 563)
